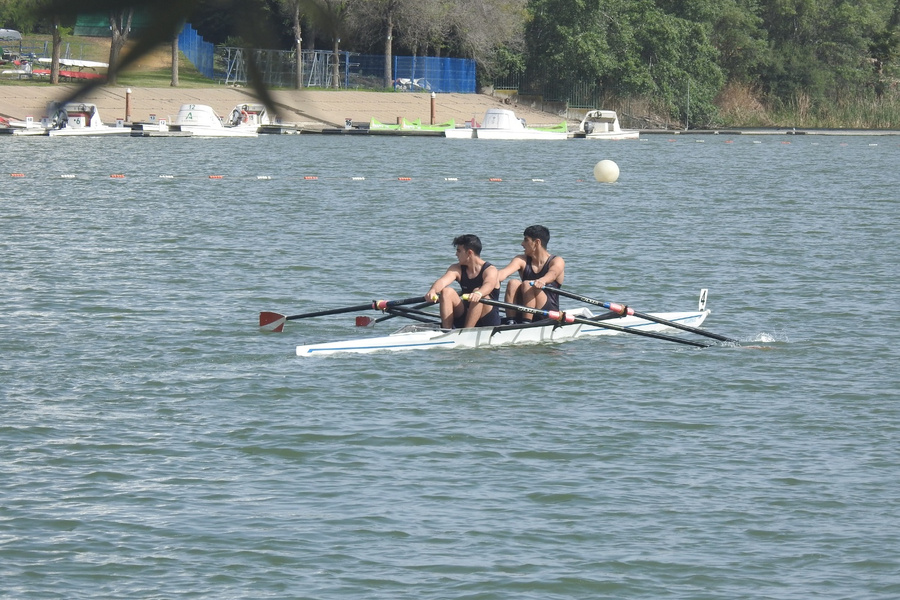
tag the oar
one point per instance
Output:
(563, 317)
(273, 321)
(415, 315)
(621, 309)
(363, 321)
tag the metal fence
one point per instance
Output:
(68, 50)
(278, 68)
(354, 71)
(575, 95)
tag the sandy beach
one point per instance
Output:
(304, 108)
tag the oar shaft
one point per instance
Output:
(621, 308)
(333, 311)
(392, 315)
(415, 315)
(374, 304)
(565, 318)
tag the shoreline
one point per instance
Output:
(315, 110)
(310, 108)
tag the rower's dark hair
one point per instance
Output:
(538, 232)
(468, 241)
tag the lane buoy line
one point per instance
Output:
(311, 178)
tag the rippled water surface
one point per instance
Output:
(156, 444)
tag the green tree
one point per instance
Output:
(884, 50)
(821, 50)
(738, 35)
(624, 49)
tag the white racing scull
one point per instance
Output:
(421, 336)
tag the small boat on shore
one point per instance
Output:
(423, 336)
(80, 119)
(202, 121)
(71, 119)
(502, 124)
(27, 127)
(604, 125)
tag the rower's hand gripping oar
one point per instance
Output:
(563, 317)
(623, 310)
(272, 321)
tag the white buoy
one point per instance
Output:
(606, 171)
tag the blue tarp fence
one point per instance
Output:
(357, 71)
(197, 50)
(434, 74)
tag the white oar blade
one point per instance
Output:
(272, 321)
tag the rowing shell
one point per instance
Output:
(425, 336)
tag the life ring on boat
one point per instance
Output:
(245, 116)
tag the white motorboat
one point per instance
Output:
(502, 124)
(604, 125)
(81, 118)
(428, 336)
(249, 115)
(202, 121)
(27, 127)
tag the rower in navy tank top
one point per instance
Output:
(528, 274)
(477, 278)
(538, 269)
(469, 285)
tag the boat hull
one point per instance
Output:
(484, 133)
(461, 133)
(418, 337)
(624, 134)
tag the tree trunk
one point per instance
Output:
(336, 66)
(175, 58)
(388, 51)
(57, 42)
(298, 41)
(120, 26)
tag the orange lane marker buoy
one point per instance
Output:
(495, 179)
(215, 177)
(404, 179)
(17, 174)
(117, 176)
(310, 177)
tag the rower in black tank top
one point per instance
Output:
(529, 275)
(469, 285)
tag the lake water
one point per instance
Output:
(157, 444)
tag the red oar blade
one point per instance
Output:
(364, 321)
(272, 321)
